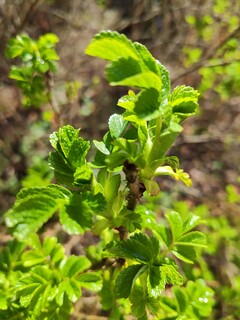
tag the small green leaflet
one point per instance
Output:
(68, 161)
(117, 125)
(158, 277)
(184, 101)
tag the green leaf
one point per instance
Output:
(34, 207)
(116, 125)
(111, 187)
(176, 224)
(83, 175)
(128, 219)
(193, 238)
(73, 265)
(90, 280)
(100, 145)
(144, 80)
(76, 216)
(70, 288)
(122, 68)
(31, 288)
(164, 233)
(48, 40)
(177, 174)
(126, 279)
(185, 253)
(138, 247)
(147, 104)
(138, 303)
(128, 101)
(17, 74)
(184, 101)
(111, 46)
(158, 277)
(181, 298)
(150, 62)
(191, 222)
(156, 285)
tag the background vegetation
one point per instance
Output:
(198, 41)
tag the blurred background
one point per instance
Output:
(199, 43)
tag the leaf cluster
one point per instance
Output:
(103, 195)
(42, 282)
(38, 59)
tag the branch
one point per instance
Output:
(33, 6)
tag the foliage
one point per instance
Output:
(219, 65)
(141, 260)
(38, 58)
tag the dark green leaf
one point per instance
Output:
(138, 247)
(138, 301)
(147, 104)
(126, 278)
(122, 68)
(76, 216)
(182, 299)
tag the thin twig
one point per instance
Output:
(210, 54)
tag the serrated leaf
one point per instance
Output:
(31, 288)
(155, 283)
(83, 175)
(185, 253)
(184, 101)
(111, 45)
(147, 104)
(128, 101)
(76, 216)
(138, 247)
(176, 224)
(116, 125)
(193, 238)
(126, 279)
(33, 207)
(171, 275)
(150, 62)
(138, 303)
(128, 219)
